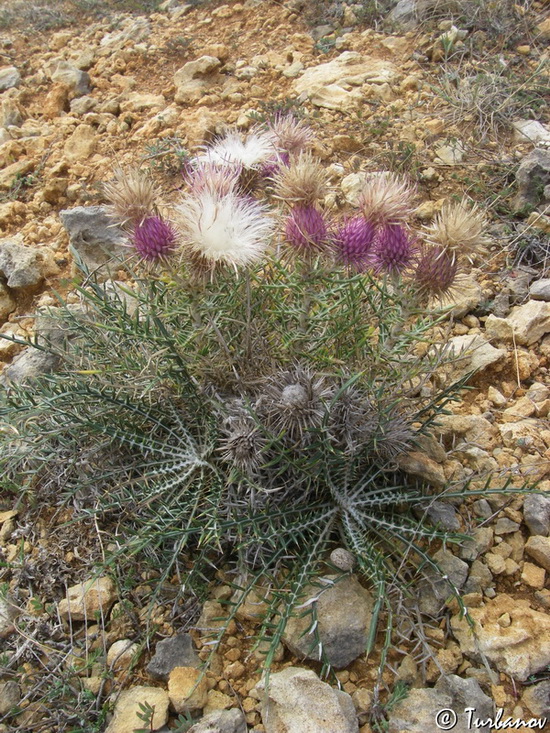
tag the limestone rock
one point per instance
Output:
(352, 185)
(121, 654)
(133, 30)
(129, 706)
(344, 612)
(76, 80)
(177, 651)
(520, 649)
(94, 239)
(417, 712)
(337, 83)
(11, 113)
(13, 171)
(423, 467)
(538, 547)
(532, 176)
(468, 428)
(187, 689)
(81, 144)
(25, 267)
(221, 721)
(7, 303)
(194, 78)
(471, 353)
(528, 323)
(9, 77)
(465, 299)
(466, 693)
(84, 600)
(298, 702)
(28, 365)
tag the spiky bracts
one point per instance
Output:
(153, 238)
(290, 135)
(131, 195)
(353, 243)
(306, 230)
(230, 230)
(385, 199)
(243, 445)
(459, 229)
(294, 402)
(394, 250)
(303, 182)
(436, 272)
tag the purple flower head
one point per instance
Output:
(208, 175)
(436, 271)
(394, 250)
(153, 238)
(353, 242)
(306, 228)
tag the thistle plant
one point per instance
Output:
(248, 421)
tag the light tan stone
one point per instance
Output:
(187, 689)
(129, 707)
(85, 600)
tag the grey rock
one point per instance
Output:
(536, 513)
(82, 105)
(7, 303)
(95, 241)
(28, 365)
(532, 176)
(134, 30)
(500, 307)
(540, 290)
(66, 73)
(177, 651)
(478, 543)
(11, 113)
(537, 699)
(482, 508)
(434, 589)
(344, 612)
(504, 525)
(444, 515)
(9, 78)
(464, 694)
(22, 266)
(479, 579)
(417, 712)
(221, 721)
(298, 702)
(10, 695)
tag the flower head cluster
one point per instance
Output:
(207, 176)
(225, 229)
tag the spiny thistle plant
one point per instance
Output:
(240, 405)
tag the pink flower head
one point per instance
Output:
(306, 228)
(272, 166)
(394, 250)
(353, 242)
(153, 238)
(209, 176)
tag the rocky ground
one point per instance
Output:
(444, 97)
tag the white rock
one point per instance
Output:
(472, 353)
(336, 84)
(9, 77)
(531, 130)
(526, 323)
(352, 185)
(451, 154)
(298, 702)
(121, 654)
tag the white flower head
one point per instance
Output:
(206, 175)
(249, 152)
(229, 229)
